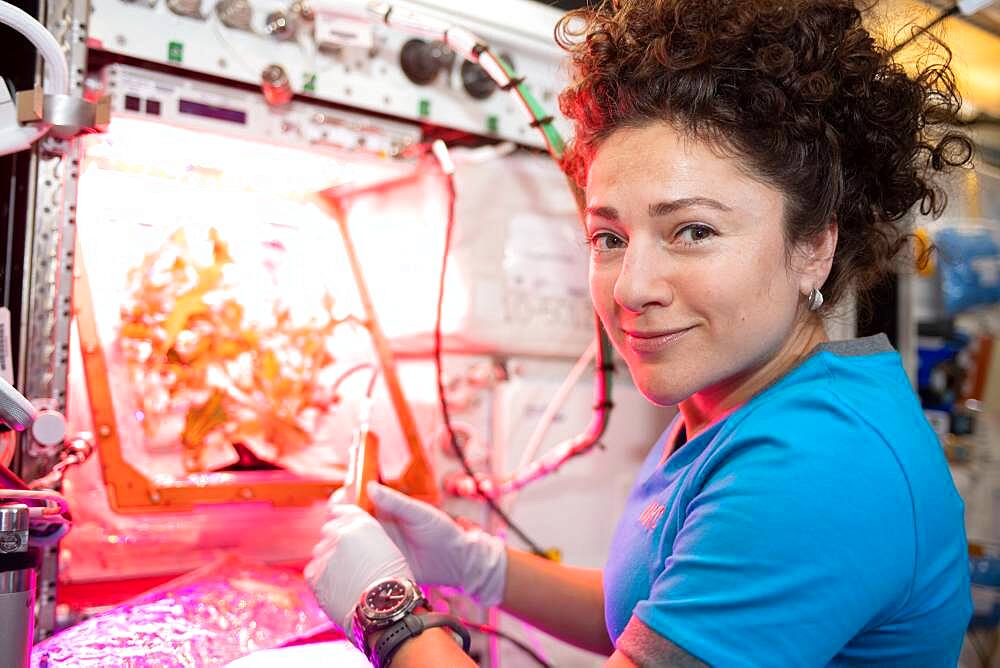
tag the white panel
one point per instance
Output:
(352, 74)
(178, 100)
(519, 247)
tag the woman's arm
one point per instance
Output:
(564, 601)
(647, 649)
(416, 541)
(433, 647)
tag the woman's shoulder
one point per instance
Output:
(842, 406)
(857, 388)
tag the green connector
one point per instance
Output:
(175, 52)
(309, 82)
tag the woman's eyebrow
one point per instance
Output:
(606, 212)
(660, 208)
(666, 208)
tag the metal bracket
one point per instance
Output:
(69, 116)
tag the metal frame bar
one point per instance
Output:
(417, 479)
(46, 311)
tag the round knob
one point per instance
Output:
(190, 8)
(421, 61)
(476, 81)
(237, 14)
(49, 428)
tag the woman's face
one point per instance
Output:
(688, 268)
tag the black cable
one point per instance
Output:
(494, 631)
(456, 446)
(951, 11)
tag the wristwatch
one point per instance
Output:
(388, 605)
(382, 604)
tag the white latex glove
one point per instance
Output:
(354, 552)
(439, 551)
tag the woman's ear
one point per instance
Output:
(816, 258)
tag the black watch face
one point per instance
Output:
(386, 597)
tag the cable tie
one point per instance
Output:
(512, 83)
(604, 404)
(541, 121)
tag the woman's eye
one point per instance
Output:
(606, 241)
(693, 234)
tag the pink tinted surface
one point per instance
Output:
(208, 617)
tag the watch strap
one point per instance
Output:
(365, 628)
(411, 626)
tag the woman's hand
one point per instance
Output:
(353, 552)
(438, 550)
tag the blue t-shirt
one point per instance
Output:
(815, 525)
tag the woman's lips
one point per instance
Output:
(653, 342)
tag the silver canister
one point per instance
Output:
(13, 528)
(17, 617)
(17, 588)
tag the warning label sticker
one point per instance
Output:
(6, 356)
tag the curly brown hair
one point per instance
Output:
(797, 90)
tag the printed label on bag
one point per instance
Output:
(6, 356)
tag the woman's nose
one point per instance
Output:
(643, 281)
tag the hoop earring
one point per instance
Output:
(815, 299)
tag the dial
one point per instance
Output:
(386, 597)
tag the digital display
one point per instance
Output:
(209, 111)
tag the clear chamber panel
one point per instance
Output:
(226, 319)
(223, 297)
